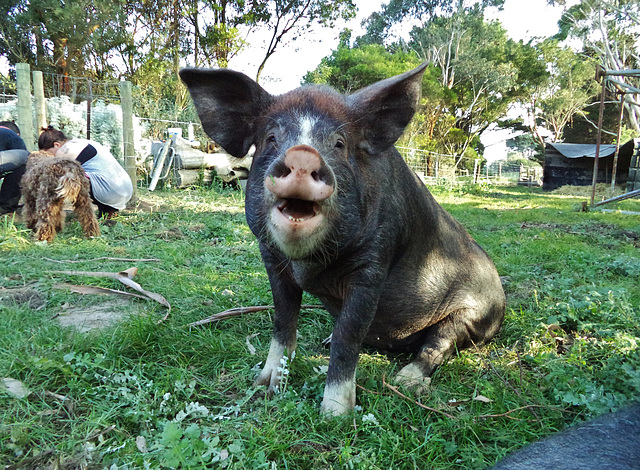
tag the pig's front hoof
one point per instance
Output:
(269, 378)
(411, 376)
(339, 399)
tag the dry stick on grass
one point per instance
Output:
(105, 258)
(27, 462)
(395, 390)
(100, 433)
(504, 381)
(507, 413)
(233, 312)
(125, 277)
(367, 390)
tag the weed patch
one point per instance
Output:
(136, 393)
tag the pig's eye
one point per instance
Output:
(339, 144)
(271, 139)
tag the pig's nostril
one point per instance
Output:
(280, 171)
(315, 175)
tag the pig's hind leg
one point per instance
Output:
(458, 330)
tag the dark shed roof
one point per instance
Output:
(589, 150)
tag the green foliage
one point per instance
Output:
(143, 394)
(608, 31)
(380, 24)
(348, 70)
(476, 73)
(62, 37)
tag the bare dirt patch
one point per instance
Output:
(22, 296)
(92, 317)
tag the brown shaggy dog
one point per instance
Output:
(47, 183)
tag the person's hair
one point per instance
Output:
(11, 126)
(50, 136)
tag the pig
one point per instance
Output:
(339, 214)
(610, 442)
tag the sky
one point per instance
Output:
(523, 19)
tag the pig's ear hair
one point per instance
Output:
(385, 108)
(228, 104)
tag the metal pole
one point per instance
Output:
(598, 141)
(89, 98)
(126, 100)
(615, 157)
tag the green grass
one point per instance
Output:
(146, 395)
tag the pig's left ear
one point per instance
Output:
(228, 104)
(385, 108)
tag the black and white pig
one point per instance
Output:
(340, 215)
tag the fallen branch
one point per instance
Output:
(100, 433)
(506, 383)
(367, 390)
(106, 258)
(395, 390)
(233, 312)
(27, 462)
(84, 290)
(506, 414)
(125, 277)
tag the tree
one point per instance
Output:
(348, 70)
(477, 65)
(380, 25)
(610, 31)
(215, 26)
(290, 19)
(561, 88)
(61, 37)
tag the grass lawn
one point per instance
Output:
(148, 394)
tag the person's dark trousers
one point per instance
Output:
(103, 209)
(13, 164)
(10, 190)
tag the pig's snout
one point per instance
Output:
(301, 175)
(300, 184)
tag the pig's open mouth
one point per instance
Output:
(298, 210)
(297, 226)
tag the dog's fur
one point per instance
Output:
(47, 183)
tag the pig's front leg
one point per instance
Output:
(348, 333)
(286, 299)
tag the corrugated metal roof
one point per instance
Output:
(589, 150)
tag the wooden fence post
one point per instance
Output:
(89, 101)
(39, 101)
(25, 114)
(126, 100)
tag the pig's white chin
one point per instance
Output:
(296, 235)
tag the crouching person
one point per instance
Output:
(111, 186)
(13, 161)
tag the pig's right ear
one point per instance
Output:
(384, 109)
(228, 104)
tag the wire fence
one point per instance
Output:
(81, 93)
(437, 168)
(80, 88)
